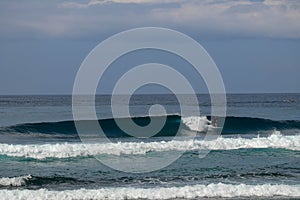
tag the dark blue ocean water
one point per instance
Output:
(259, 147)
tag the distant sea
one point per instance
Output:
(257, 156)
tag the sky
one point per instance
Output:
(255, 43)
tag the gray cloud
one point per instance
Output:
(90, 3)
(275, 19)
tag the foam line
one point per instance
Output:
(189, 192)
(66, 150)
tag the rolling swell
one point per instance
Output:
(233, 125)
(249, 125)
(109, 127)
(37, 182)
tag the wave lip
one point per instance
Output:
(189, 192)
(14, 181)
(67, 150)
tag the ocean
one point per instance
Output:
(257, 156)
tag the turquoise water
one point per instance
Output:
(259, 147)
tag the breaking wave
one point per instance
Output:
(14, 181)
(233, 125)
(67, 150)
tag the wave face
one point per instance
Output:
(247, 125)
(67, 150)
(189, 192)
(109, 127)
(233, 125)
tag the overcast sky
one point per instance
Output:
(255, 44)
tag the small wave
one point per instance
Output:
(14, 181)
(187, 192)
(67, 150)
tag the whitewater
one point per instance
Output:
(67, 150)
(188, 192)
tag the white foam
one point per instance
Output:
(189, 192)
(200, 124)
(66, 150)
(14, 181)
